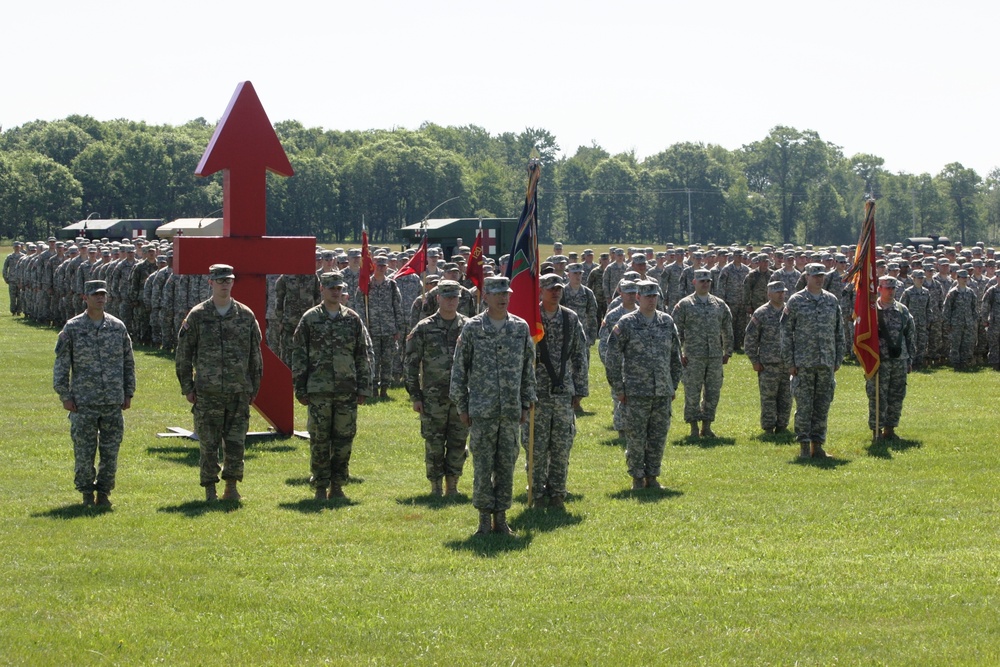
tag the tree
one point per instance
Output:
(960, 185)
(45, 196)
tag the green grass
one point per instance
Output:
(881, 556)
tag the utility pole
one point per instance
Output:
(690, 232)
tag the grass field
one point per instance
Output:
(883, 555)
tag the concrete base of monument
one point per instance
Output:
(179, 432)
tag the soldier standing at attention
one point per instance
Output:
(917, 300)
(991, 318)
(812, 346)
(763, 347)
(595, 281)
(219, 366)
(430, 351)
(577, 297)
(94, 376)
(385, 319)
(729, 288)
(9, 277)
(493, 386)
(897, 348)
(705, 330)
(643, 369)
(561, 376)
(331, 374)
(630, 297)
(961, 315)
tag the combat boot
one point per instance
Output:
(436, 487)
(103, 500)
(231, 493)
(706, 430)
(88, 498)
(805, 450)
(383, 393)
(500, 524)
(451, 485)
(485, 524)
(557, 503)
(651, 483)
(210, 493)
(818, 452)
(638, 483)
(694, 429)
(889, 433)
(320, 493)
(336, 491)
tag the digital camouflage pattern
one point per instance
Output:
(918, 301)
(897, 349)
(961, 314)
(762, 344)
(705, 330)
(583, 302)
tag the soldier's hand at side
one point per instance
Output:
(304, 400)
(577, 400)
(128, 403)
(192, 398)
(684, 362)
(465, 419)
(418, 406)
(758, 367)
(622, 399)
(725, 359)
(836, 368)
(524, 416)
(70, 405)
(361, 400)
(793, 370)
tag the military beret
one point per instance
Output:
(95, 287)
(496, 285)
(219, 271)
(448, 288)
(332, 279)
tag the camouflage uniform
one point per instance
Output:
(812, 340)
(918, 301)
(95, 369)
(430, 351)
(991, 318)
(610, 279)
(218, 359)
(705, 330)
(330, 370)
(583, 302)
(610, 320)
(595, 281)
(561, 370)
(896, 350)
(672, 285)
(763, 346)
(961, 314)
(789, 277)
(140, 307)
(644, 364)
(493, 380)
(9, 277)
(385, 319)
(755, 289)
(293, 296)
(730, 290)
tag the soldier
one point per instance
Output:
(897, 349)
(219, 366)
(917, 300)
(562, 383)
(670, 279)
(293, 296)
(466, 299)
(136, 289)
(730, 290)
(430, 351)
(493, 387)
(755, 291)
(630, 296)
(643, 369)
(788, 274)
(588, 264)
(812, 347)
(991, 318)
(595, 281)
(332, 375)
(578, 298)
(9, 273)
(94, 375)
(961, 315)
(763, 347)
(705, 330)
(612, 274)
(382, 312)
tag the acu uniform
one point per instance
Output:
(896, 352)
(763, 346)
(705, 330)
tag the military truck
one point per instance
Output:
(450, 233)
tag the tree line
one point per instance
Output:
(790, 186)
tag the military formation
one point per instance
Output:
(471, 369)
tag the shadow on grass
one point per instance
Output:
(882, 448)
(522, 498)
(313, 506)
(196, 508)
(646, 495)
(544, 519)
(189, 456)
(704, 443)
(778, 439)
(75, 511)
(434, 502)
(305, 481)
(613, 442)
(828, 463)
(491, 546)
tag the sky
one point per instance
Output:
(911, 82)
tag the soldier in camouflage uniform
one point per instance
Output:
(136, 295)
(466, 299)
(561, 374)
(671, 280)
(991, 318)
(293, 296)
(730, 290)
(219, 366)
(897, 348)
(430, 351)
(961, 313)
(917, 300)
(630, 295)
(643, 368)
(9, 277)
(763, 347)
(384, 317)
(331, 373)
(493, 387)
(578, 298)
(705, 330)
(755, 291)
(812, 347)
(612, 274)
(94, 375)
(595, 281)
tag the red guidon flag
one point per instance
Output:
(866, 295)
(474, 269)
(416, 264)
(522, 268)
(367, 265)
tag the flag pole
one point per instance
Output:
(878, 413)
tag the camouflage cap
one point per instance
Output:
(496, 285)
(354, 252)
(451, 266)
(95, 287)
(18, 244)
(887, 281)
(560, 259)
(328, 255)
(381, 260)
(342, 258)
(575, 267)
(628, 287)
(332, 279)
(648, 288)
(815, 269)
(449, 288)
(702, 274)
(776, 286)
(632, 275)
(917, 273)
(220, 271)
(551, 281)
(431, 278)
(588, 251)
(638, 259)
(961, 273)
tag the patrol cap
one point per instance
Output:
(496, 285)
(575, 267)
(961, 273)
(815, 269)
(917, 273)
(588, 251)
(431, 278)
(451, 266)
(381, 260)
(332, 279)
(18, 244)
(220, 271)
(52, 239)
(762, 258)
(560, 259)
(551, 281)
(459, 259)
(632, 275)
(342, 258)
(95, 287)
(129, 248)
(433, 252)
(353, 252)
(737, 252)
(887, 281)
(448, 288)
(702, 274)
(648, 288)
(328, 255)
(638, 259)
(776, 286)
(628, 287)
(604, 255)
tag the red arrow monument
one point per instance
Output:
(245, 147)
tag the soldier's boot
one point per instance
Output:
(557, 503)
(769, 431)
(383, 392)
(500, 524)
(451, 485)
(651, 483)
(231, 493)
(210, 493)
(805, 450)
(485, 524)
(889, 433)
(336, 491)
(88, 498)
(818, 452)
(436, 487)
(706, 430)
(638, 483)
(694, 429)
(320, 493)
(103, 500)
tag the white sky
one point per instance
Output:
(912, 82)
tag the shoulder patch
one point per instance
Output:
(615, 330)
